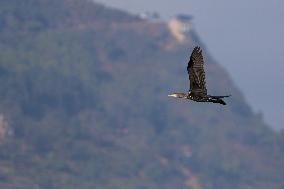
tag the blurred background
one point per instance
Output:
(84, 85)
(244, 37)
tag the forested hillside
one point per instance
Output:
(83, 104)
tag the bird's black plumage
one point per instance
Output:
(196, 73)
(197, 86)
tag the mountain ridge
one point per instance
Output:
(84, 98)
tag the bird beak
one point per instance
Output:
(171, 95)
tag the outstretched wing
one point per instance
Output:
(196, 73)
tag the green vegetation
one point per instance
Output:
(84, 91)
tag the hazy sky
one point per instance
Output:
(245, 36)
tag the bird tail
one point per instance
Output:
(219, 101)
(218, 97)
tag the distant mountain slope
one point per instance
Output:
(83, 104)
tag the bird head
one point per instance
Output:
(178, 95)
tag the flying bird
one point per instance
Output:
(198, 91)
